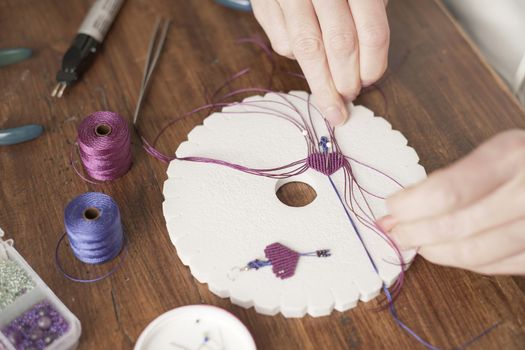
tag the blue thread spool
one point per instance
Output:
(94, 228)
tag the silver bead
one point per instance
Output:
(14, 282)
(36, 334)
(49, 339)
(44, 322)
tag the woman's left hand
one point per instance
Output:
(340, 45)
(470, 215)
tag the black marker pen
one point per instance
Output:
(89, 37)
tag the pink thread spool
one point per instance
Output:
(104, 142)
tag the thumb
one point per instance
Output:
(332, 107)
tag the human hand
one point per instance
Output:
(340, 45)
(471, 214)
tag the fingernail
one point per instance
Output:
(386, 223)
(366, 83)
(394, 236)
(334, 115)
(350, 98)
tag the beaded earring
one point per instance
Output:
(282, 259)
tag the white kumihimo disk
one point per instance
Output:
(220, 218)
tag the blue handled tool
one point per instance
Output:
(20, 134)
(243, 5)
(14, 55)
(26, 132)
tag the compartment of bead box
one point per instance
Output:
(36, 318)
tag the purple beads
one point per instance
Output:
(37, 328)
(44, 323)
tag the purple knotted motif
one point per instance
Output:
(326, 163)
(282, 259)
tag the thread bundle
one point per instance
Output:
(106, 155)
(104, 142)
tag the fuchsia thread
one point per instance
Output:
(325, 157)
(104, 143)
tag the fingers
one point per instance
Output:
(307, 46)
(509, 266)
(341, 45)
(269, 15)
(470, 215)
(461, 183)
(374, 36)
(386, 223)
(502, 206)
(483, 249)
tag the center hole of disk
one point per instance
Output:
(296, 194)
(91, 213)
(103, 130)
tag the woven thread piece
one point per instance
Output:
(284, 260)
(326, 163)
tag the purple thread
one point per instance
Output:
(367, 219)
(94, 230)
(104, 143)
(332, 163)
(258, 41)
(389, 297)
(306, 125)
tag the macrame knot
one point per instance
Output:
(326, 163)
(324, 253)
(257, 264)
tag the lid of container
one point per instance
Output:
(196, 327)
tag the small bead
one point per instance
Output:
(44, 322)
(36, 334)
(14, 282)
(49, 339)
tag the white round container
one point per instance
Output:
(196, 327)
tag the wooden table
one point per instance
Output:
(441, 96)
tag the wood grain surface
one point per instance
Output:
(441, 96)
